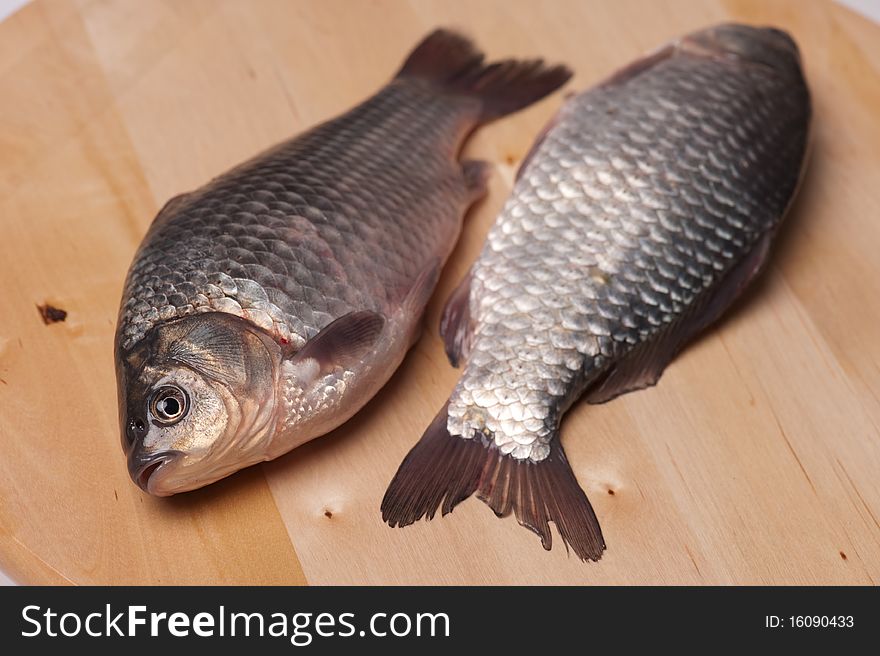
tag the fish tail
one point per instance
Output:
(454, 64)
(442, 470)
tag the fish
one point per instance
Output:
(265, 308)
(645, 208)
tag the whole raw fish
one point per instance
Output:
(265, 308)
(639, 216)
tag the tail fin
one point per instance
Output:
(443, 470)
(451, 61)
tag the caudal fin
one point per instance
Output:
(443, 470)
(452, 62)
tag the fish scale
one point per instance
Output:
(637, 218)
(275, 239)
(598, 134)
(267, 307)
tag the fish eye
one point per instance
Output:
(169, 404)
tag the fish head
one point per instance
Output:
(196, 401)
(765, 45)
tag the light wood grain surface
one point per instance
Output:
(755, 460)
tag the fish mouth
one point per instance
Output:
(145, 476)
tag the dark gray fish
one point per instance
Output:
(265, 308)
(640, 215)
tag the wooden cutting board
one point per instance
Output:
(755, 460)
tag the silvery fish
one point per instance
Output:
(267, 307)
(639, 216)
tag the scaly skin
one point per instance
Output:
(341, 218)
(267, 307)
(645, 193)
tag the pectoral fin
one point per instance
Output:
(344, 341)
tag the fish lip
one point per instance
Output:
(148, 468)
